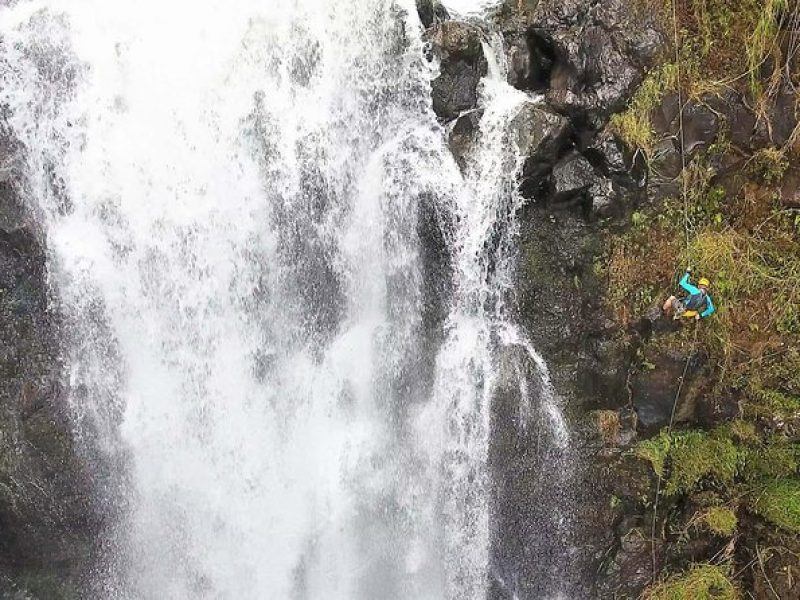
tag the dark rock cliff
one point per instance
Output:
(610, 152)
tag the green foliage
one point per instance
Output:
(769, 164)
(701, 582)
(741, 431)
(704, 199)
(720, 520)
(762, 39)
(756, 275)
(685, 458)
(639, 219)
(772, 403)
(718, 31)
(693, 456)
(779, 503)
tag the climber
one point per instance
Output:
(697, 305)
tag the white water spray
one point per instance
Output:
(230, 196)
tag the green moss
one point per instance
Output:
(772, 403)
(777, 458)
(779, 503)
(720, 520)
(691, 457)
(741, 431)
(701, 582)
(696, 455)
(655, 450)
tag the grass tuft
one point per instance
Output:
(634, 125)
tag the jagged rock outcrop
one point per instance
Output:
(586, 56)
(541, 135)
(457, 47)
(431, 11)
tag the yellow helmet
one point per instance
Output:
(704, 282)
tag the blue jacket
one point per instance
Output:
(696, 296)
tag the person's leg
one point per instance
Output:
(669, 304)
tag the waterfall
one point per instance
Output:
(233, 196)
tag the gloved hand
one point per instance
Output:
(689, 270)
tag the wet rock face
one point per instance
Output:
(654, 390)
(581, 61)
(457, 46)
(587, 56)
(540, 134)
(533, 490)
(47, 515)
(430, 12)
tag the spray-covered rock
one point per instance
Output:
(457, 47)
(47, 515)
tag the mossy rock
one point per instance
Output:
(702, 582)
(779, 503)
(719, 520)
(691, 457)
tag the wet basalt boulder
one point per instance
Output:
(586, 56)
(463, 135)
(541, 135)
(431, 12)
(458, 48)
(630, 568)
(572, 178)
(654, 389)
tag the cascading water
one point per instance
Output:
(232, 198)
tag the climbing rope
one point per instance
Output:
(679, 83)
(686, 227)
(669, 431)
